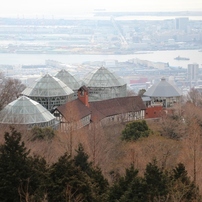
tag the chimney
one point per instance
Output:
(83, 95)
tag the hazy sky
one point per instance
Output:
(62, 7)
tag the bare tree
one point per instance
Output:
(97, 143)
(194, 97)
(10, 89)
(141, 92)
(171, 126)
(193, 144)
(130, 92)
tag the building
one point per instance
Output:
(193, 72)
(26, 112)
(163, 93)
(103, 85)
(75, 114)
(69, 80)
(80, 112)
(117, 110)
(49, 91)
(181, 23)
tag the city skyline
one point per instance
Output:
(61, 7)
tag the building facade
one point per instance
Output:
(193, 72)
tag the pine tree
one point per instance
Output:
(13, 166)
(81, 159)
(39, 177)
(67, 182)
(128, 188)
(156, 182)
(99, 184)
(181, 187)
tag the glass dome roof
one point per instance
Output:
(25, 111)
(68, 79)
(47, 86)
(163, 89)
(102, 78)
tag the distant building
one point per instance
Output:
(163, 93)
(181, 23)
(192, 72)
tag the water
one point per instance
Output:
(156, 18)
(155, 56)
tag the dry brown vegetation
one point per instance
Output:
(106, 149)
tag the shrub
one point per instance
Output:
(135, 130)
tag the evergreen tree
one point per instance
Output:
(22, 176)
(81, 159)
(39, 176)
(135, 130)
(156, 182)
(67, 182)
(99, 184)
(13, 166)
(181, 187)
(128, 188)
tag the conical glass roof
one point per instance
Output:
(25, 111)
(47, 86)
(163, 89)
(68, 79)
(102, 78)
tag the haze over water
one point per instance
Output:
(155, 56)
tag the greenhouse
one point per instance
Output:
(68, 79)
(49, 91)
(103, 85)
(25, 111)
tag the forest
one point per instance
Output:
(26, 177)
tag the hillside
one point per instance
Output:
(106, 149)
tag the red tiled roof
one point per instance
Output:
(74, 110)
(105, 108)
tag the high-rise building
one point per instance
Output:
(181, 23)
(192, 72)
